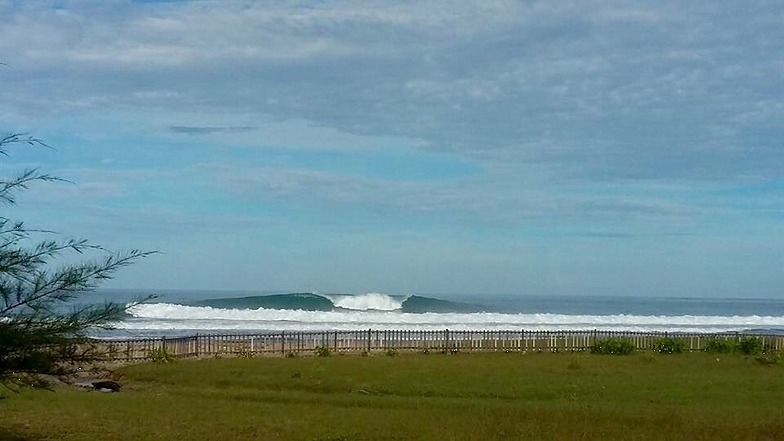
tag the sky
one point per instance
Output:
(499, 147)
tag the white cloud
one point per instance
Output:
(566, 92)
(477, 200)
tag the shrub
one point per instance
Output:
(323, 351)
(719, 346)
(390, 352)
(769, 360)
(613, 346)
(161, 356)
(669, 345)
(751, 346)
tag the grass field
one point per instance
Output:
(418, 396)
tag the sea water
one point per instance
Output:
(180, 313)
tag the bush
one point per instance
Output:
(390, 352)
(769, 360)
(669, 346)
(751, 346)
(161, 356)
(718, 346)
(323, 351)
(613, 346)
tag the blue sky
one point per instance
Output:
(576, 147)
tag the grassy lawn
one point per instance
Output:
(418, 396)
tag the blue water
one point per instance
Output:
(177, 313)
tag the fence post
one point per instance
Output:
(283, 343)
(446, 340)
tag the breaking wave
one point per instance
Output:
(372, 301)
(376, 312)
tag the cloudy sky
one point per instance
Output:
(532, 147)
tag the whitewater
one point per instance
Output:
(313, 312)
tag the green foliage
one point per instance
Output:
(39, 276)
(323, 351)
(773, 359)
(751, 346)
(613, 346)
(162, 356)
(669, 345)
(390, 352)
(720, 346)
(245, 353)
(746, 346)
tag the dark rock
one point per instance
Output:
(108, 385)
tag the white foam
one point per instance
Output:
(366, 302)
(166, 316)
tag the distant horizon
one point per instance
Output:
(445, 294)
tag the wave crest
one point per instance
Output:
(369, 301)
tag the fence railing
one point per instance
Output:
(303, 343)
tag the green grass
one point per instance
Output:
(417, 396)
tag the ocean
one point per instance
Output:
(182, 313)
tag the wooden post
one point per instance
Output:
(283, 343)
(522, 340)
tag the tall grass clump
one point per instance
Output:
(751, 346)
(669, 345)
(718, 346)
(746, 346)
(323, 351)
(161, 356)
(613, 346)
